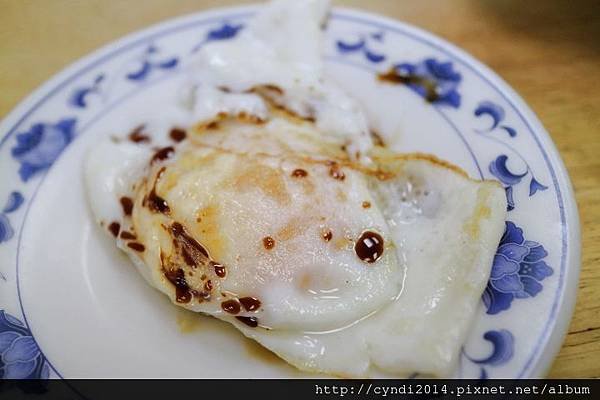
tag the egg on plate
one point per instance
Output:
(270, 207)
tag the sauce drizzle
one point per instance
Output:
(183, 294)
(428, 85)
(194, 254)
(153, 201)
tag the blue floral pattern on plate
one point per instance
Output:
(362, 46)
(442, 74)
(517, 270)
(80, 95)
(150, 62)
(41, 145)
(503, 347)
(20, 356)
(498, 167)
(14, 201)
(225, 31)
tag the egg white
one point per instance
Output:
(289, 239)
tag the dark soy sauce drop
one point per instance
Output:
(231, 306)
(299, 173)
(268, 242)
(250, 303)
(220, 270)
(127, 205)
(177, 134)
(162, 154)
(369, 246)
(114, 228)
(252, 322)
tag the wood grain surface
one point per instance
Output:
(549, 51)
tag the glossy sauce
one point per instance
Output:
(231, 306)
(162, 154)
(250, 303)
(183, 293)
(335, 171)
(177, 134)
(327, 235)
(369, 246)
(127, 205)
(268, 242)
(137, 135)
(299, 173)
(114, 228)
(193, 253)
(136, 246)
(252, 322)
(127, 236)
(153, 201)
(220, 270)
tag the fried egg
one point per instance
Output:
(268, 206)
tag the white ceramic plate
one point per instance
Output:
(74, 307)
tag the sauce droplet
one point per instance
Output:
(366, 204)
(369, 246)
(153, 201)
(136, 246)
(250, 303)
(335, 171)
(299, 173)
(162, 154)
(128, 236)
(252, 322)
(127, 205)
(377, 139)
(212, 125)
(177, 134)
(220, 270)
(114, 228)
(268, 242)
(183, 294)
(231, 306)
(327, 235)
(137, 135)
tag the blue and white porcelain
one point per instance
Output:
(72, 307)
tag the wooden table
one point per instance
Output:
(549, 51)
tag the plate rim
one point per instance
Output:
(563, 307)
